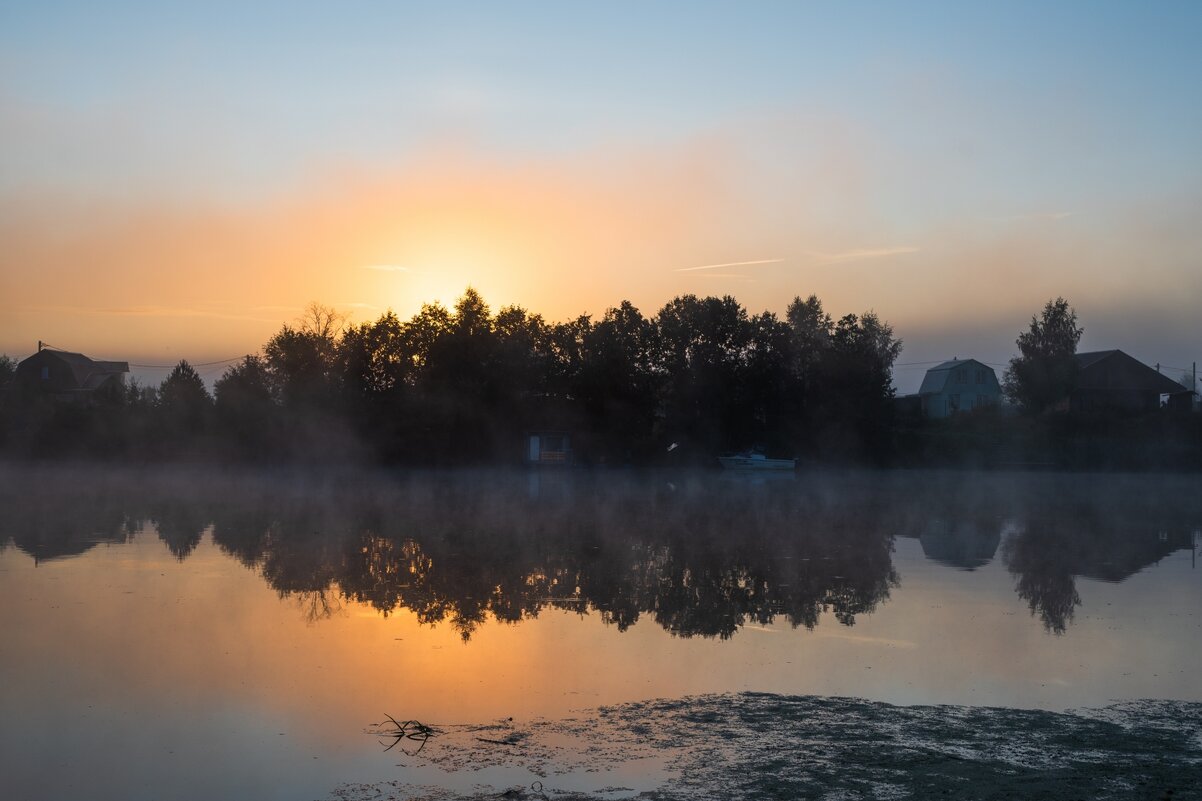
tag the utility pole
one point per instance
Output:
(39, 346)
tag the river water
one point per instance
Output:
(197, 634)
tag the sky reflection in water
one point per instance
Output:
(157, 624)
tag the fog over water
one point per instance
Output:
(158, 621)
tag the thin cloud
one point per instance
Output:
(727, 264)
(862, 254)
(726, 275)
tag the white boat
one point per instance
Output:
(755, 461)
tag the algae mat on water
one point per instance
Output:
(760, 746)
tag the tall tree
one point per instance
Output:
(703, 343)
(459, 382)
(616, 383)
(1045, 371)
(184, 404)
(245, 409)
(810, 330)
(857, 387)
(376, 359)
(302, 360)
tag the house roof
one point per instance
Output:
(936, 378)
(1093, 357)
(1147, 378)
(87, 373)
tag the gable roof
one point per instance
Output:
(1093, 357)
(937, 377)
(87, 374)
(1148, 378)
(90, 373)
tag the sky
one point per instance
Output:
(180, 180)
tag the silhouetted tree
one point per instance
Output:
(616, 382)
(184, 406)
(377, 362)
(702, 344)
(523, 355)
(859, 372)
(1045, 371)
(246, 412)
(302, 368)
(458, 382)
(568, 355)
(810, 329)
(8, 368)
(764, 385)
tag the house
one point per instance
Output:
(1110, 380)
(960, 385)
(69, 376)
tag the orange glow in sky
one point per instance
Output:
(157, 206)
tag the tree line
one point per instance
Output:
(465, 385)
(701, 377)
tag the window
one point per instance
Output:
(953, 403)
(961, 377)
(45, 373)
(980, 376)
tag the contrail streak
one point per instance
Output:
(867, 253)
(727, 264)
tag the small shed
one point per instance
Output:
(960, 385)
(548, 448)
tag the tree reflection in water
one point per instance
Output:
(700, 554)
(700, 560)
(1106, 531)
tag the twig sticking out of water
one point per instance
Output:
(409, 730)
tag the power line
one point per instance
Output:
(199, 364)
(48, 346)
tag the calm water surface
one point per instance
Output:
(192, 635)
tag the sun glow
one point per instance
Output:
(435, 262)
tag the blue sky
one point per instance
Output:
(984, 156)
